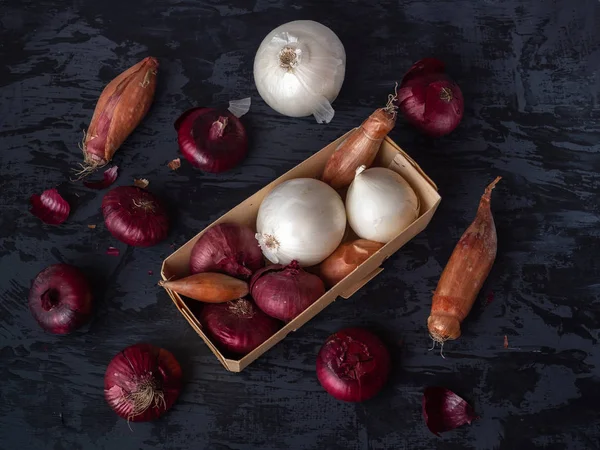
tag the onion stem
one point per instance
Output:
(288, 58)
(446, 94)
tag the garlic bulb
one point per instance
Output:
(301, 219)
(299, 69)
(380, 204)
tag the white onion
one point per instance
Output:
(299, 69)
(380, 204)
(301, 219)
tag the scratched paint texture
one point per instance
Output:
(530, 75)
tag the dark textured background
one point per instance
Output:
(530, 76)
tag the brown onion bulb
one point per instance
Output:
(345, 259)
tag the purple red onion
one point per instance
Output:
(353, 365)
(50, 207)
(211, 139)
(142, 382)
(60, 299)
(429, 99)
(135, 216)
(284, 292)
(227, 248)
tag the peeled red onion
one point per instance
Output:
(135, 216)
(60, 299)
(284, 292)
(353, 365)
(211, 139)
(142, 382)
(429, 99)
(50, 207)
(237, 326)
(227, 248)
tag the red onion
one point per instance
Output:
(353, 365)
(430, 100)
(443, 410)
(237, 326)
(50, 207)
(210, 139)
(110, 175)
(142, 382)
(227, 248)
(60, 299)
(284, 292)
(135, 216)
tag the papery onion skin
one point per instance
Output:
(60, 299)
(135, 216)
(302, 219)
(227, 248)
(380, 204)
(443, 410)
(109, 177)
(211, 139)
(345, 259)
(429, 99)
(283, 292)
(299, 69)
(353, 365)
(50, 207)
(142, 382)
(238, 326)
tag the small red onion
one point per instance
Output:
(237, 326)
(443, 410)
(429, 99)
(60, 299)
(110, 175)
(227, 248)
(284, 292)
(353, 365)
(211, 139)
(142, 382)
(135, 216)
(50, 207)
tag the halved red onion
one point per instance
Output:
(443, 410)
(109, 177)
(50, 207)
(210, 139)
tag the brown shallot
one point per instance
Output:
(360, 147)
(463, 276)
(121, 107)
(208, 287)
(345, 259)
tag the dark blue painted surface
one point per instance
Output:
(530, 76)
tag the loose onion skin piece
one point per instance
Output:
(135, 216)
(283, 292)
(142, 382)
(345, 259)
(60, 299)
(443, 410)
(465, 273)
(353, 365)
(211, 139)
(227, 248)
(238, 326)
(429, 99)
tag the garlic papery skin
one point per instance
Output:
(380, 204)
(302, 219)
(299, 69)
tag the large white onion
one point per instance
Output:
(299, 69)
(380, 204)
(301, 219)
